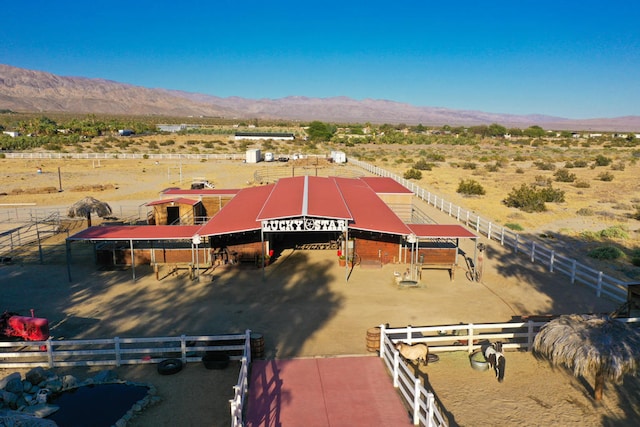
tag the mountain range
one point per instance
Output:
(24, 90)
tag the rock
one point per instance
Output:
(8, 397)
(69, 381)
(55, 385)
(41, 410)
(105, 376)
(26, 386)
(18, 419)
(8, 378)
(14, 385)
(37, 375)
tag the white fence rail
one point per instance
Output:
(602, 283)
(133, 351)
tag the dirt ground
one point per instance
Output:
(304, 307)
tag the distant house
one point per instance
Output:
(255, 136)
(12, 134)
(125, 132)
(171, 128)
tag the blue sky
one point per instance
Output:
(573, 59)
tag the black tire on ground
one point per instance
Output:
(169, 366)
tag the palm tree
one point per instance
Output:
(591, 344)
(87, 206)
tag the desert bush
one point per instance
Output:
(636, 215)
(469, 166)
(492, 167)
(413, 174)
(519, 170)
(605, 176)
(545, 166)
(602, 160)
(618, 166)
(526, 198)
(514, 226)
(563, 175)
(581, 183)
(585, 212)
(614, 232)
(422, 165)
(542, 181)
(552, 195)
(606, 253)
(470, 187)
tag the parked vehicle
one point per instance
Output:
(12, 325)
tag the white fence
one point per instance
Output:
(462, 337)
(134, 351)
(602, 283)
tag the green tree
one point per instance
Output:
(534, 132)
(319, 131)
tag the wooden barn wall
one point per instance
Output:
(144, 257)
(213, 205)
(376, 247)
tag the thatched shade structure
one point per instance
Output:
(591, 344)
(87, 206)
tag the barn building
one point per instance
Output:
(365, 219)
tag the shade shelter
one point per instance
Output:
(129, 234)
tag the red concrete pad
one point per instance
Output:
(353, 391)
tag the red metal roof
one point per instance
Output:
(451, 231)
(137, 232)
(305, 196)
(339, 198)
(176, 200)
(240, 214)
(369, 212)
(385, 185)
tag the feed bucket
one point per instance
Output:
(373, 339)
(257, 346)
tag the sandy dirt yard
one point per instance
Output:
(304, 307)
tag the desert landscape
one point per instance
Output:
(305, 308)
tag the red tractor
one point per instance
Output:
(24, 327)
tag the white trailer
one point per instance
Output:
(253, 156)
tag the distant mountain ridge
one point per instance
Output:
(29, 91)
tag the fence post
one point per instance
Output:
(467, 220)
(533, 251)
(502, 236)
(599, 288)
(529, 335)
(183, 348)
(396, 364)
(430, 407)
(441, 204)
(416, 401)
(517, 241)
(489, 231)
(478, 224)
(551, 260)
(409, 335)
(470, 338)
(458, 214)
(383, 333)
(573, 271)
(50, 352)
(116, 342)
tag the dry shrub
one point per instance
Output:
(38, 190)
(94, 187)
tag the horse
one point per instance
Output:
(495, 357)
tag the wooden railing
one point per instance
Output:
(602, 283)
(134, 351)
